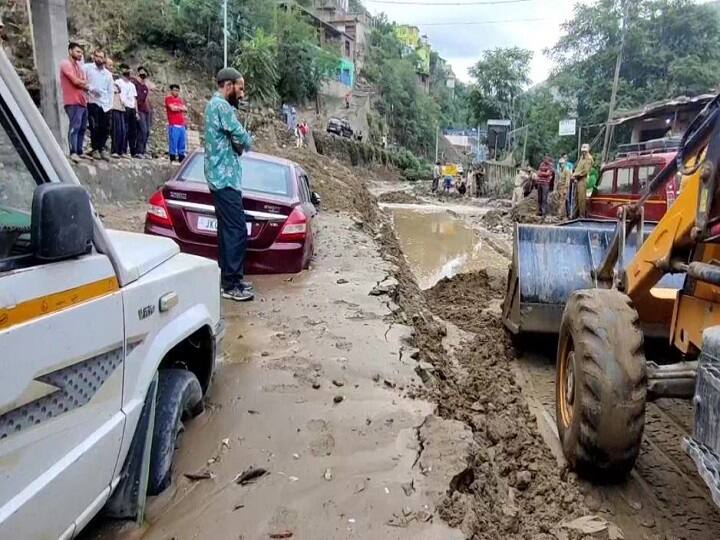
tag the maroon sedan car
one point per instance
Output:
(279, 209)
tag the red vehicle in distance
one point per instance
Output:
(279, 210)
(623, 180)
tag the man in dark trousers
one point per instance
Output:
(100, 96)
(74, 87)
(225, 140)
(143, 113)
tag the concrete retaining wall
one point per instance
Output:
(123, 180)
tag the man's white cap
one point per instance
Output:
(585, 148)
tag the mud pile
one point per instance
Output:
(463, 298)
(514, 488)
(399, 197)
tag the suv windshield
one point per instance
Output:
(257, 175)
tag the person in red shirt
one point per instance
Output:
(544, 178)
(175, 108)
(74, 85)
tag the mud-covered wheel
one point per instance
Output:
(600, 384)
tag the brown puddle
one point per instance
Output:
(438, 245)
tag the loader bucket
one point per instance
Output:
(551, 262)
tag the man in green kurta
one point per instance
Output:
(579, 178)
(225, 140)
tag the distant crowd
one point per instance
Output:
(115, 106)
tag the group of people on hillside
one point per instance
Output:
(114, 106)
(300, 130)
(544, 180)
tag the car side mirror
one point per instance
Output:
(61, 224)
(315, 198)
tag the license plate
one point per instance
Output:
(210, 224)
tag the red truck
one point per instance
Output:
(623, 180)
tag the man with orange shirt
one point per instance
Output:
(74, 85)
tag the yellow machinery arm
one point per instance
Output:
(684, 241)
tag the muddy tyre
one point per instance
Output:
(600, 384)
(179, 397)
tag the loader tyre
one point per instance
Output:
(179, 397)
(600, 384)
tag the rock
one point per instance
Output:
(389, 383)
(338, 383)
(342, 281)
(338, 399)
(522, 480)
(376, 377)
(415, 355)
(425, 371)
(477, 407)
(328, 474)
(408, 488)
(387, 286)
(316, 385)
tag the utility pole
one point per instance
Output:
(225, 33)
(616, 80)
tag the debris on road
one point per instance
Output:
(408, 487)
(250, 475)
(281, 534)
(202, 474)
(328, 475)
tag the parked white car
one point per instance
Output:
(107, 342)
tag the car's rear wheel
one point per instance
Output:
(600, 384)
(179, 397)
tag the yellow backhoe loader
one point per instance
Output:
(605, 287)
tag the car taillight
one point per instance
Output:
(158, 212)
(295, 228)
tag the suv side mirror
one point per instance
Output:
(61, 223)
(315, 198)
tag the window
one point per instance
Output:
(647, 173)
(257, 175)
(17, 186)
(624, 180)
(304, 188)
(347, 49)
(605, 183)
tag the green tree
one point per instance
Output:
(256, 61)
(672, 48)
(541, 111)
(500, 77)
(302, 65)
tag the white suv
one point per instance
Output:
(107, 342)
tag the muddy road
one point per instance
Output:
(384, 398)
(664, 497)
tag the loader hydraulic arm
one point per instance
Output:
(685, 223)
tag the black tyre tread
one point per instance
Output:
(610, 364)
(179, 397)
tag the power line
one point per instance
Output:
(499, 21)
(470, 3)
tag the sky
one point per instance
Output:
(530, 24)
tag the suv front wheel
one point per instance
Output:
(179, 397)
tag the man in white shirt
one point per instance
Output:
(128, 96)
(100, 90)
